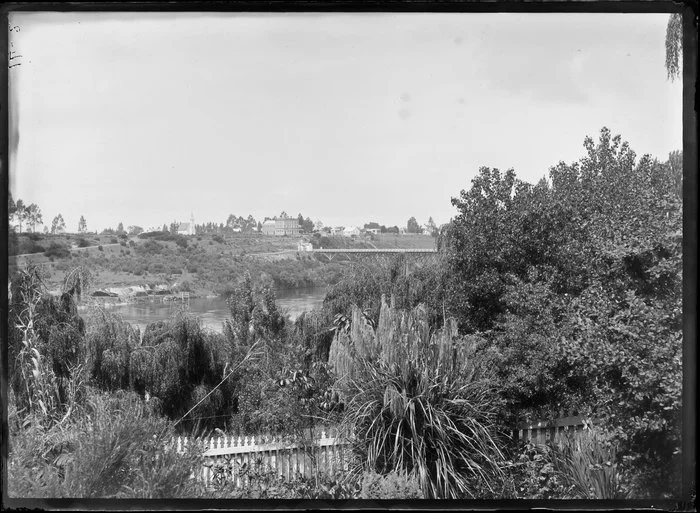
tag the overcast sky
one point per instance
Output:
(346, 118)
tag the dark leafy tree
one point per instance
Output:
(412, 226)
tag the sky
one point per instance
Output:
(347, 118)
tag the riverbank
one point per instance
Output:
(211, 311)
(203, 265)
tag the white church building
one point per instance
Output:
(186, 228)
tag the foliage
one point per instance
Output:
(363, 285)
(417, 403)
(44, 350)
(412, 226)
(674, 45)
(58, 225)
(108, 344)
(394, 485)
(577, 283)
(532, 475)
(587, 462)
(57, 250)
(114, 446)
(180, 364)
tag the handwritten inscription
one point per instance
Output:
(14, 57)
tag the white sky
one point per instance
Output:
(346, 118)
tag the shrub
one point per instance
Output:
(114, 447)
(532, 475)
(57, 250)
(33, 247)
(82, 243)
(218, 238)
(100, 247)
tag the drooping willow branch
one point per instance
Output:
(252, 353)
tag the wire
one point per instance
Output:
(247, 356)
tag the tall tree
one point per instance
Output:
(308, 225)
(20, 213)
(120, 228)
(412, 226)
(674, 46)
(58, 225)
(82, 225)
(431, 227)
(165, 227)
(34, 216)
(12, 207)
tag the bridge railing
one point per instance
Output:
(388, 250)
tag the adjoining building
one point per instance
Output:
(281, 226)
(268, 227)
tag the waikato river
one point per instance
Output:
(213, 311)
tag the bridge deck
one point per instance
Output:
(388, 250)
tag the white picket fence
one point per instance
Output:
(240, 459)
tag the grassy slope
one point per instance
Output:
(207, 265)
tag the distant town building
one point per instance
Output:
(281, 226)
(374, 231)
(351, 231)
(268, 227)
(186, 228)
(337, 230)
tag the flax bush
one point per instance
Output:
(419, 403)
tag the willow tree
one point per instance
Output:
(419, 402)
(45, 347)
(179, 363)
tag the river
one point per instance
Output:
(213, 311)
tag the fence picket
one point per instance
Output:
(237, 456)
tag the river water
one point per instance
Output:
(213, 311)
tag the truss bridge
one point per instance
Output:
(419, 255)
